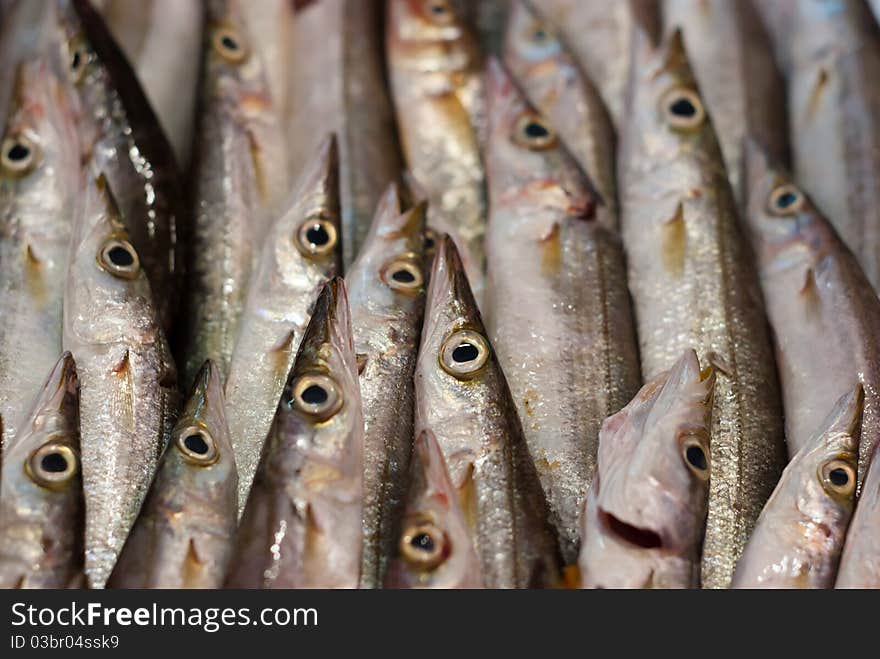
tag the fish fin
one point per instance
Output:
(809, 283)
(467, 496)
(192, 564)
(123, 366)
(719, 363)
(674, 242)
(362, 359)
(551, 250)
(817, 93)
(571, 577)
(31, 256)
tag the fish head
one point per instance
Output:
(527, 164)
(429, 36)
(435, 548)
(531, 45)
(653, 474)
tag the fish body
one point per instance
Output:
(337, 72)
(799, 535)
(238, 177)
(300, 253)
(183, 535)
(435, 72)
(541, 63)
(434, 549)
(386, 291)
(463, 398)
(694, 285)
(123, 138)
(646, 508)
(302, 524)
(41, 495)
(39, 178)
(557, 305)
(821, 306)
(127, 377)
(733, 61)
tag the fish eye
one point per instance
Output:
(423, 546)
(785, 199)
(695, 457)
(464, 354)
(316, 396)
(18, 155)
(230, 45)
(533, 132)
(838, 477)
(316, 237)
(403, 275)
(430, 241)
(439, 11)
(52, 465)
(197, 446)
(119, 258)
(76, 62)
(683, 109)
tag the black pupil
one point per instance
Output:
(696, 457)
(839, 477)
(423, 541)
(429, 242)
(18, 152)
(536, 130)
(314, 395)
(75, 60)
(403, 276)
(317, 235)
(786, 199)
(120, 257)
(229, 43)
(196, 444)
(540, 34)
(465, 353)
(683, 108)
(438, 9)
(54, 463)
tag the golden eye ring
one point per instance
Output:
(316, 237)
(403, 275)
(696, 457)
(838, 477)
(785, 200)
(683, 109)
(119, 258)
(316, 396)
(534, 133)
(464, 354)
(230, 45)
(52, 465)
(423, 546)
(18, 155)
(197, 446)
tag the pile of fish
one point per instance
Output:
(439, 294)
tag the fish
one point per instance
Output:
(386, 293)
(434, 548)
(301, 252)
(557, 305)
(301, 527)
(39, 179)
(541, 63)
(238, 185)
(733, 61)
(435, 75)
(694, 285)
(160, 39)
(822, 309)
(122, 138)
(830, 54)
(272, 22)
(600, 35)
(41, 493)
(128, 379)
(799, 536)
(860, 561)
(463, 398)
(645, 512)
(183, 535)
(337, 71)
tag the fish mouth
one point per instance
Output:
(629, 533)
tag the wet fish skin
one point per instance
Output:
(386, 317)
(557, 305)
(128, 395)
(301, 527)
(337, 70)
(238, 178)
(123, 139)
(462, 396)
(435, 73)
(282, 293)
(539, 60)
(799, 536)
(39, 176)
(733, 61)
(41, 495)
(435, 549)
(694, 285)
(183, 535)
(646, 507)
(860, 562)
(822, 309)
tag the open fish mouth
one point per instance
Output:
(629, 533)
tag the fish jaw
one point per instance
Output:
(649, 501)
